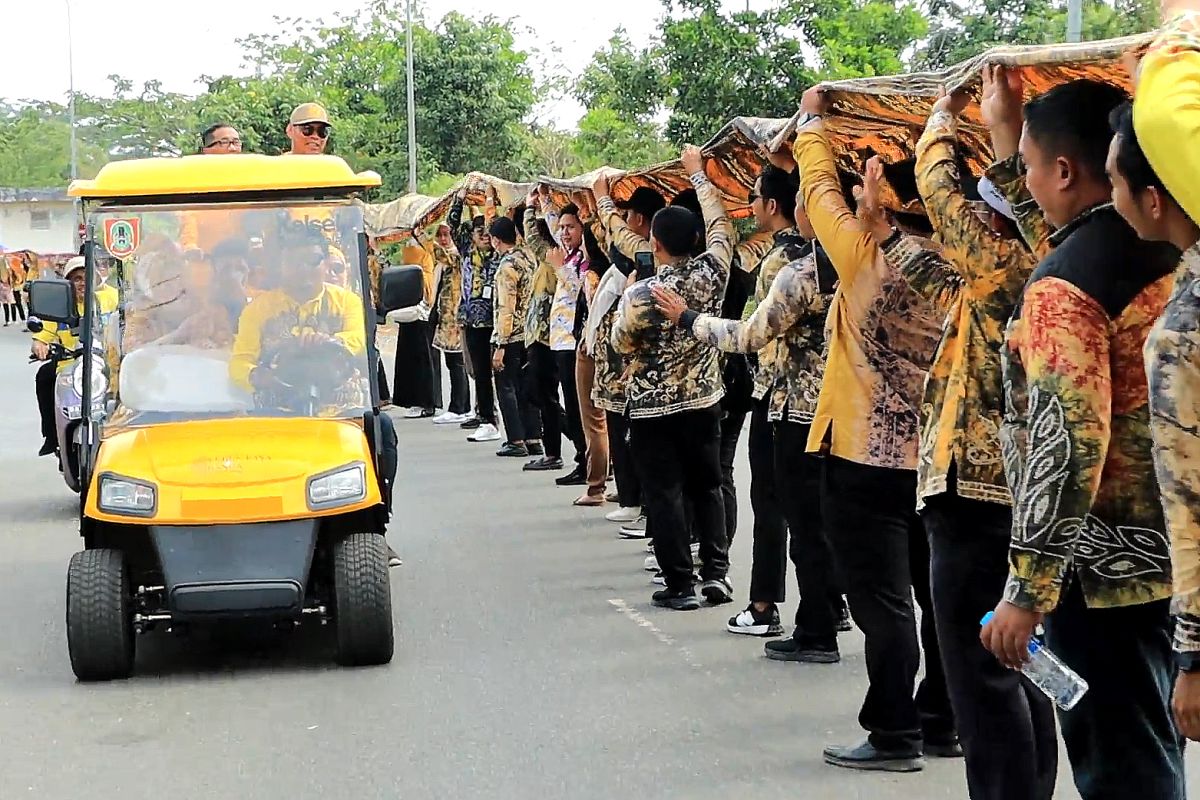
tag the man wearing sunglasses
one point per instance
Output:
(308, 129)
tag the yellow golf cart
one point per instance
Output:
(234, 463)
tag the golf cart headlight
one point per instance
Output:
(99, 379)
(120, 495)
(340, 487)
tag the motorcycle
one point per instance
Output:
(68, 402)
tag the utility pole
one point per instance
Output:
(71, 114)
(1074, 20)
(412, 109)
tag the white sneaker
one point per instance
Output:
(635, 529)
(624, 514)
(651, 564)
(414, 413)
(487, 432)
(449, 418)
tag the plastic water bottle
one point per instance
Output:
(1047, 672)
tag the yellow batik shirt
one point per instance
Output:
(881, 334)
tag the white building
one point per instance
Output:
(42, 220)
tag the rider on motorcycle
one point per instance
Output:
(53, 333)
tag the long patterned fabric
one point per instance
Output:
(388, 222)
(732, 164)
(885, 116)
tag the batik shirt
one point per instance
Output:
(541, 285)
(478, 276)
(669, 371)
(447, 334)
(512, 296)
(1173, 367)
(976, 280)
(786, 246)
(881, 334)
(1076, 431)
(791, 318)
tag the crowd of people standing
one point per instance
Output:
(981, 411)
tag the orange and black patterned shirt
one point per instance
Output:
(1076, 432)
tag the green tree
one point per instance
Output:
(962, 29)
(606, 138)
(35, 148)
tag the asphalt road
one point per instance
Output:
(529, 663)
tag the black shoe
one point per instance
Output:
(844, 624)
(534, 448)
(544, 464)
(677, 601)
(809, 652)
(471, 424)
(48, 448)
(753, 622)
(943, 747)
(511, 450)
(575, 477)
(866, 756)
(717, 592)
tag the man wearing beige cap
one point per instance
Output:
(308, 129)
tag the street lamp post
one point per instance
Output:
(412, 108)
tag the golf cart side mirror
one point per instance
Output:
(52, 301)
(401, 287)
(34, 325)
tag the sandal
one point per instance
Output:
(589, 500)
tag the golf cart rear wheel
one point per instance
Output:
(362, 600)
(99, 616)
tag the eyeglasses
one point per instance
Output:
(315, 129)
(225, 143)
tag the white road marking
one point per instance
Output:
(640, 619)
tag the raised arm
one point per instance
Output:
(841, 234)
(719, 233)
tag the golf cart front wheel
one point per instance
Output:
(99, 616)
(362, 600)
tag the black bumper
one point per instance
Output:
(235, 570)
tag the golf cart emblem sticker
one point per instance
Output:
(122, 236)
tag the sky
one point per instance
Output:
(174, 41)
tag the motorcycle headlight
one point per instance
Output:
(99, 379)
(339, 487)
(120, 495)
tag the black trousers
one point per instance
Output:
(413, 370)
(798, 489)
(770, 527)
(681, 463)
(564, 361)
(883, 557)
(1006, 725)
(541, 380)
(1121, 738)
(522, 420)
(385, 394)
(460, 385)
(43, 384)
(435, 363)
(731, 432)
(629, 484)
(478, 343)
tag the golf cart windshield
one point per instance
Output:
(234, 310)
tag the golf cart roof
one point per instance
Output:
(237, 174)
